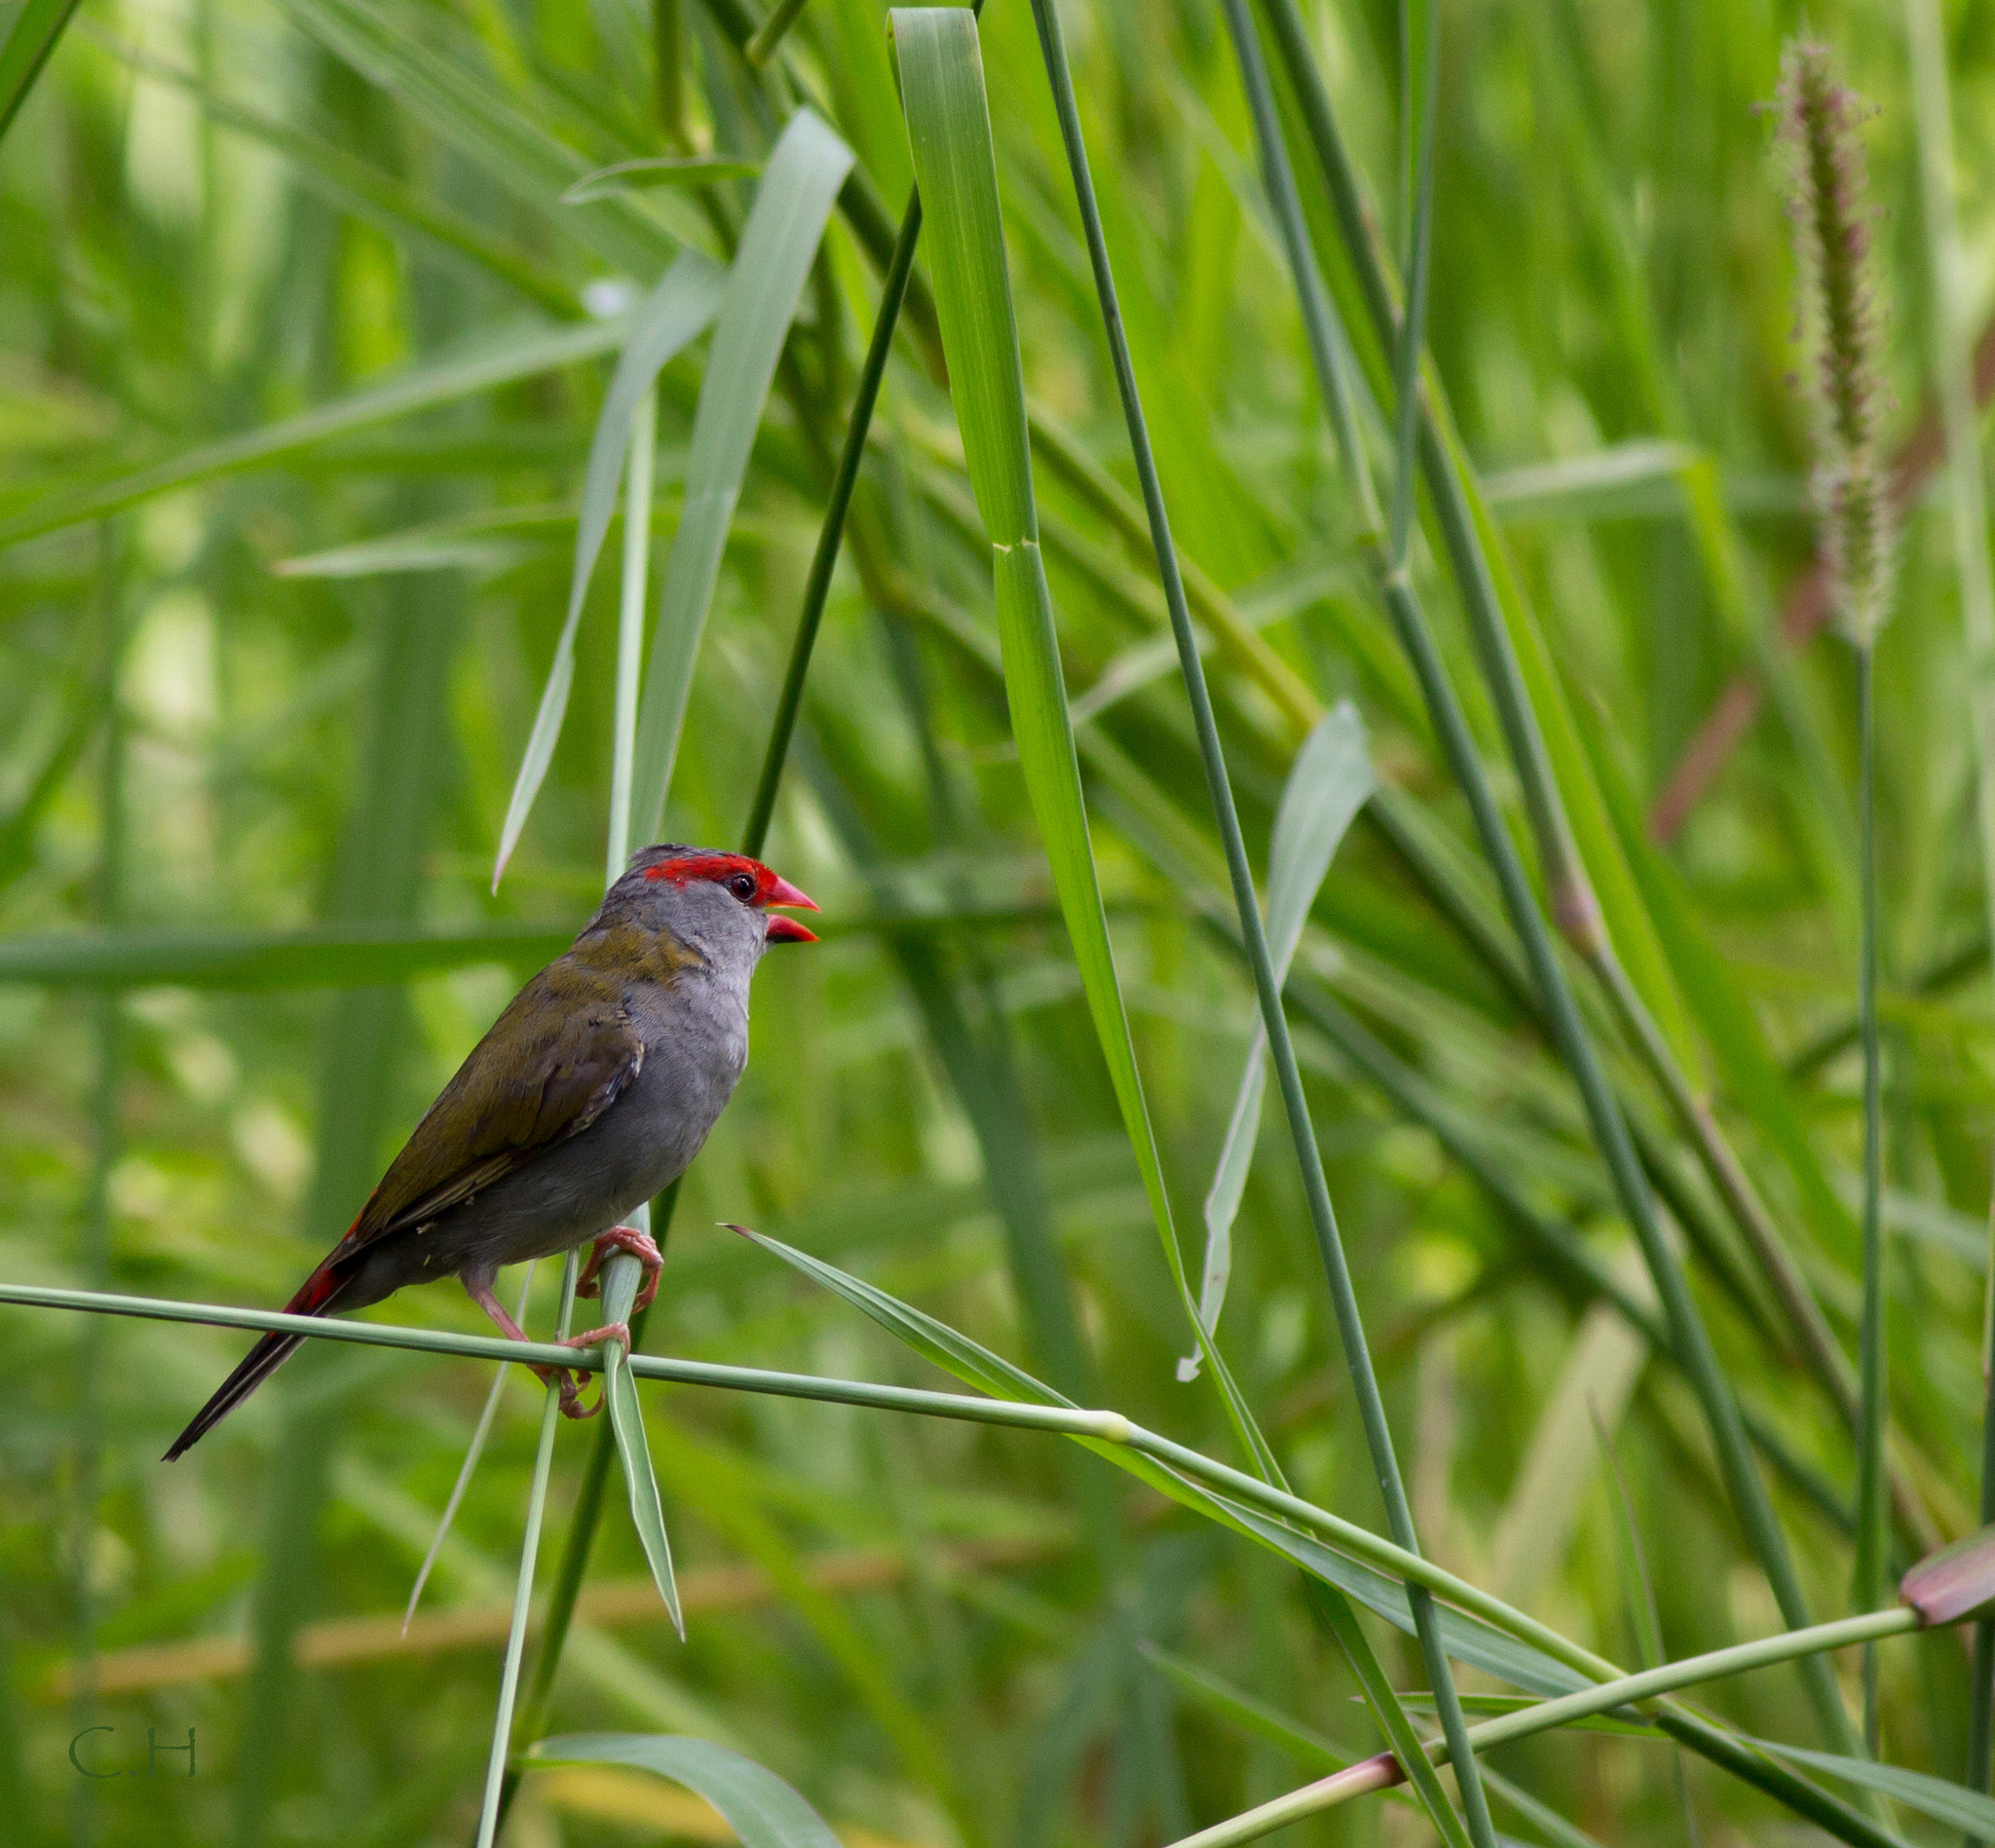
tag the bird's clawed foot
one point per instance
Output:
(609, 1331)
(571, 1390)
(640, 1246)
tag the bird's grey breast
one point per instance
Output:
(695, 1047)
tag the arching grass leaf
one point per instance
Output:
(687, 298)
(798, 184)
(1328, 785)
(760, 1808)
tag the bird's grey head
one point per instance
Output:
(721, 905)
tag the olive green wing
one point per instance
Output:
(553, 1062)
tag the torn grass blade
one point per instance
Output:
(1330, 783)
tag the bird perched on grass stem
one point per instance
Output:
(592, 1093)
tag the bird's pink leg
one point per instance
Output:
(559, 1376)
(639, 1245)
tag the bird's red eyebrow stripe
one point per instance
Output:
(706, 866)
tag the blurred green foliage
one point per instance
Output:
(218, 217)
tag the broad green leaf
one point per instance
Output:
(798, 184)
(1330, 782)
(1953, 1804)
(762, 1810)
(36, 28)
(677, 311)
(521, 354)
(948, 135)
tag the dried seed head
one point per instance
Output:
(1838, 321)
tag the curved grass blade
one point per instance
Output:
(521, 355)
(471, 1464)
(1468, 1638)
(687, 298)
(948, 135)
(799, 185)
(762, 1810)
(657, 170)
(1309, 1746)
(1330, 783)
(37, 27)
(1945, 1802)
(626, 1422)
(631, 231)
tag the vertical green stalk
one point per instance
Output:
(523, 1588)
(588, 1513)
(1565, 878)
(1218, 787)
(831, 533)
(1419, 242)
(588, 1501)
(1873, 1539)
(107, 1005)
(1966, 493)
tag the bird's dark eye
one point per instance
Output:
(742, 886)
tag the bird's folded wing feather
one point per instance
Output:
(553, 1063)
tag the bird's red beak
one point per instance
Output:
(783, 892)
(788, 930)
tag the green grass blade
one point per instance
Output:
(770, 33)
(357, 185)
(831, 531)
(632, 231)
(948, 135)
(520, 355)
(762, 1810)
(1268, 982)
(676, 312)
(627, 1422)
(523, 1587)
(1469, 1637)
(1393, 1718)
(333, 956)
(1501, 622)
(33, 36)
(1309, 1746)
(469, 1466)
(1945, 1802)
(1330, 782)
(799, 185)
(656, 170)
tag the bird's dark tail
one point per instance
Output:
(319, 1295)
